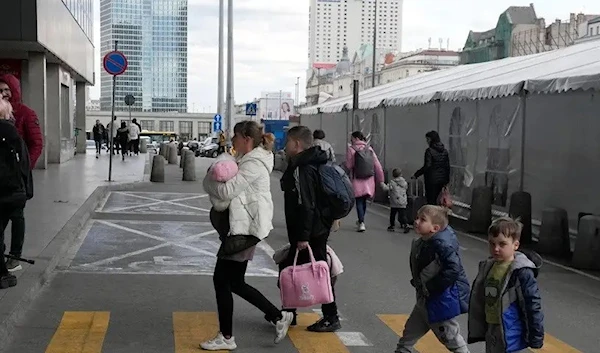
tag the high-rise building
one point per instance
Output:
(334, 24)
(153, 36)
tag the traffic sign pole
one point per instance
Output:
(112, 125)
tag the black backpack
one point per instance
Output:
(339, 194)
(364, 163)
(12, 182)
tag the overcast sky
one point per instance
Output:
(271, 39)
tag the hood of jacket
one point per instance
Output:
(261, 155)
(314, 155)
(15, 87)
(438, 146)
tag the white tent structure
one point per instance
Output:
(572, 68)
(527, 123)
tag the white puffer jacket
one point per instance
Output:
(249, 193)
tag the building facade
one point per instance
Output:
(153, 36)
(335, 24)
(49, 46)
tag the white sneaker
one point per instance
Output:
(219, 343)
(282, 326)
(361, 227)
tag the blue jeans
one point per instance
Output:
(361, 208)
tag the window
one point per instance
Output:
(204, 128)
(185, 130)
(147, 125)
(166, 126)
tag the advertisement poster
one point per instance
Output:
(276, 106)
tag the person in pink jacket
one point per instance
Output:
(364, 188)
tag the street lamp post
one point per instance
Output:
(374, 46)
(229, 110)
(220, 65)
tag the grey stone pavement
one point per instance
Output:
(143, 262)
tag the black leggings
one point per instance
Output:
(228, 279)
(432, 192)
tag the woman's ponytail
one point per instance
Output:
(268, 141)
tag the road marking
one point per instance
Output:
(554, 345)
(121, 209)
(192, 328)
(314, 342)
(566, 268)
(429, 343)
(169, 202)
(80, 332)
(354, 339)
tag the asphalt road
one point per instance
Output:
(138, 280)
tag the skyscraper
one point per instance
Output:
(334, 24)
(153, 36)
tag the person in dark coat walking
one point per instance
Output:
(436, 168)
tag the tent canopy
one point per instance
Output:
(571, 68)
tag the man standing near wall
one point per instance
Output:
(28, 126)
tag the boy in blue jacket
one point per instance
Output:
(440, 281)
(505, 307)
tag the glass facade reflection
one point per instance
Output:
(83, 12)
(153, 36)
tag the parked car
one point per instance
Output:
(210, 149)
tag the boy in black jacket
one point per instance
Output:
(307, 224)
(16, 185)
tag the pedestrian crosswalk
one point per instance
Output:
(86, 331)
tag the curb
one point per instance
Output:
(17, 300)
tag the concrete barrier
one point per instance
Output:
(157, 174)
(554, 233)
(189, 166)
(480, 217)
(520, 208)
(163, 150)
(587, 247)
(181, 159)
(172, 154)
(143, 147)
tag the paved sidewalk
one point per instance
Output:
(64, 196)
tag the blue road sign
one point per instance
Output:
(115, 63)
(251, 109)
(218, 118)
(216, 126)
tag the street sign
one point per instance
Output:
(129, 99)
(251, 109)
(217, 126)
(115, 63)
(218, 118)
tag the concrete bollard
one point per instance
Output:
(181, 159)
(587, 246)
(520, 208)
(189, 166)
(157, 174)
(163, 150)
(480, 217)
(143, 147)
(172, 153)
(554, 233)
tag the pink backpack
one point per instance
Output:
(305, 285)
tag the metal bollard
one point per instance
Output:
(189, 166)
(480, 217)
(587, 246)
(172, 153)
(520, 208)
(157, 174)
(554, 233)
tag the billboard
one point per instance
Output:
(276, 106)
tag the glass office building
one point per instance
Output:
(153, 36)
(83, 12)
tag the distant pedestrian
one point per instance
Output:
(436, 168)
(123, 139)
(365, 168)
(134, 137)
(98, 132)
(319, 140)
(398, 200)
(440, 281)
(505, 309)
(247, 222)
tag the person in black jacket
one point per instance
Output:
(13, 192)
(307, 224)
(436, 168)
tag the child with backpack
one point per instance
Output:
(398, 201)
(15, 181)
(505, 308)
(440, 281)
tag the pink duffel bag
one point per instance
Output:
(305, 285)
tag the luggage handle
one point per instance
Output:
(414, 192)
(312, 260)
